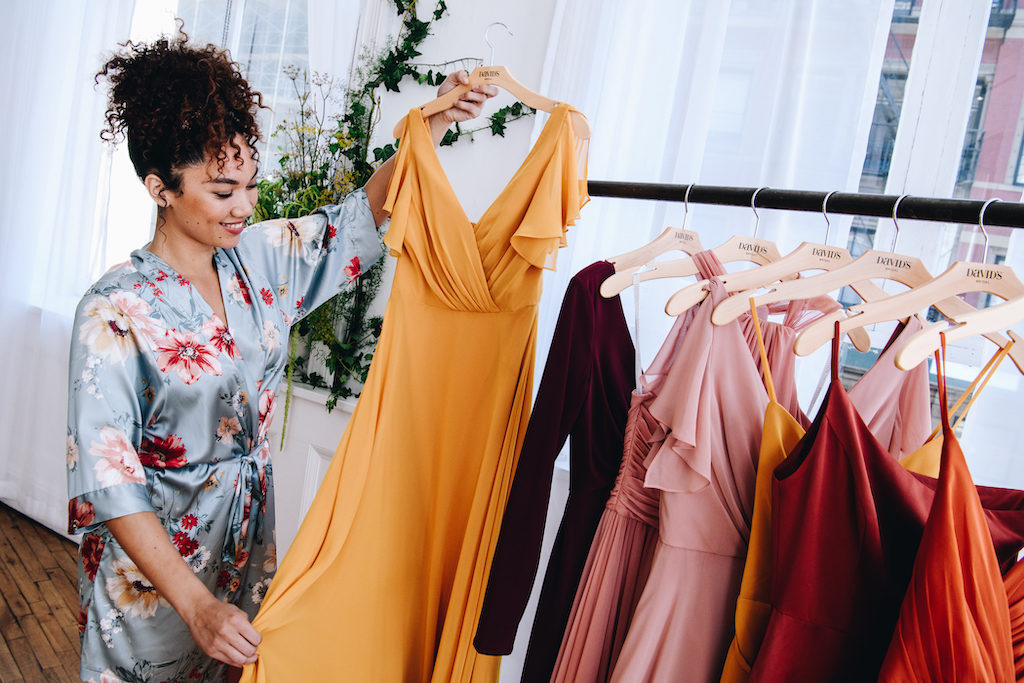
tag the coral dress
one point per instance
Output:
(954, 623)
(386, 576)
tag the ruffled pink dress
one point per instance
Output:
(711, 410)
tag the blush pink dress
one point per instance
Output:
(895, 404)
(711, 408)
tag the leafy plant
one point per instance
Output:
(323, 158)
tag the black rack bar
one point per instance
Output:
(1002, 213)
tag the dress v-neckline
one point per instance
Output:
(546, 134)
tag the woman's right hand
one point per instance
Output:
(222, 631)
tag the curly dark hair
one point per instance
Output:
(177, 105)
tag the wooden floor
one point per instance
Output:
(38, 602)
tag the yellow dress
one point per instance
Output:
(386, 576)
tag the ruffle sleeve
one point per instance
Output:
(560, 194)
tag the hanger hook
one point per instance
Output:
(896, 223)
(487, 38)
(753, 207)
(686, 203)
(981, 222)
(824, 212)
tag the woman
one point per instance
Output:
(175, 363)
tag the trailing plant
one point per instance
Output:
(323, 157)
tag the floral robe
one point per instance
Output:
(168, 412)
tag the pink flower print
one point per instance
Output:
(184, 353)
(268, 402)
(239, 290)
(117, 325)
(352, 270)
(163, 453)
(118, 462)
(267, 295)
(227, 428)
(220, 337)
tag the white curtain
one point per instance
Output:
(51, 234)
(742, 92)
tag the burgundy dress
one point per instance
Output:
(847, 520)
(584, 394)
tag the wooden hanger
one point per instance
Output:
(807, 256)
(941, 292)
(736, 248)
(976, 322)
(501, 77)
(856, 274)
(672, 239)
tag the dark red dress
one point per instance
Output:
(584, 394)
(846, 525)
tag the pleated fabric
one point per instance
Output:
(386, 576)
(954, 623)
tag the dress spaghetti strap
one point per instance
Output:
(765, 366)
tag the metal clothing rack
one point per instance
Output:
(1000, 213)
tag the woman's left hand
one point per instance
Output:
(466, 107)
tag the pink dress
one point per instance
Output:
(712, 411)
(896, 405)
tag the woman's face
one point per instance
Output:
(213, 203)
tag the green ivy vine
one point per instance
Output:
(323, 158)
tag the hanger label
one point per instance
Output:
(490, 73)
(828, 254)
(683, 236)
(893, 263)
(985, 274)
(752, 248)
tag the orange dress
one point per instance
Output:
(385, 579)
(954, 623)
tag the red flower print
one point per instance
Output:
(299, 302)
(189, 522)
(185, 545)
(223, 579)
(243, 289)
(331, 231)
(83, 618)
(268, 296)
(184, 353)
(80, 514)
(219, 336)
(163, 453)
(91, 551)
(161, 276)
(183, 282)
(352, 270)
(195, 674)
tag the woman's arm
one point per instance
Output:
(222, 630)
(464, 109)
